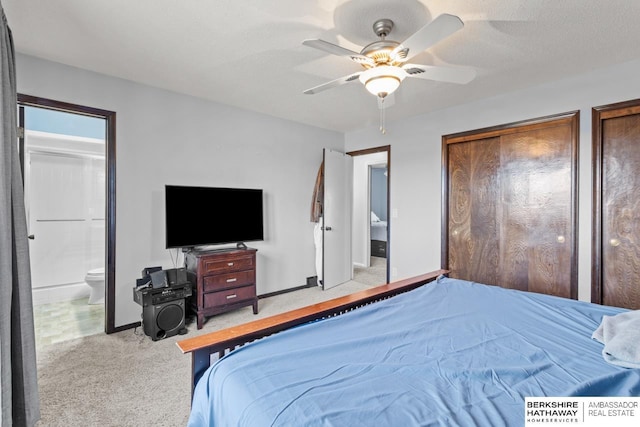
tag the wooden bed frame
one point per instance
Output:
(221, 342)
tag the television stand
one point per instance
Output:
(241, 245)
(224, 281)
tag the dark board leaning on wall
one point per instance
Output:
(509, 205)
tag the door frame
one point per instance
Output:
(110, 158)
(373, 150)
(598, 116)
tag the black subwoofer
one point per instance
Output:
(164, 319)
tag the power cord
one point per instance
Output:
(141, 333)
(175, 261)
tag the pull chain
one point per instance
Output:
(383, 130)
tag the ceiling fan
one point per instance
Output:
(385, 61)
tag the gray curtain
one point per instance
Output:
(19, 387)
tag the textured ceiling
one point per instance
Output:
(249, 54)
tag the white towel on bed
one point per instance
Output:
(620, 335)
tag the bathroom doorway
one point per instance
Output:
(371, 228)
(64, 152)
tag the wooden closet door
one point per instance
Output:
(474, 204)
(510, 206)
(616, 278)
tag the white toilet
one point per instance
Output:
(95, 280)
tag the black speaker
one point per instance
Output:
(177, 276)
(164, 319)
(159, 279)
(146, 272)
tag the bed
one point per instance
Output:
(379, 230)
(440, 354)
(449, 351)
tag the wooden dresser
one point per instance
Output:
(224, 280)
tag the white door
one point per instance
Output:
(57, 220)
(337, 265)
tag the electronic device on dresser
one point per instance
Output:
(163, 307)
(199, 216)
(224, 280)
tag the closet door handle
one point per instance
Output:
(31, 237)
(327, 228)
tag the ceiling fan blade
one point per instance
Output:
(333, 83)
(334, 49)
(461, 75)
(438, 29)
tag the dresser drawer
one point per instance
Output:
(230, 296)
(229, 280)
(225, 264)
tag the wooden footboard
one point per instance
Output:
(221, 342)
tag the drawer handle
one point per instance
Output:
(231, 280)
(231, 296)
(230, 264)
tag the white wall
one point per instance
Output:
(167, 138)
(416, 158)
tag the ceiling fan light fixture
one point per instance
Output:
(382, 80)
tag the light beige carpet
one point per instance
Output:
(375, 274)
(126, 379)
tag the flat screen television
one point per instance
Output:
(200, 216)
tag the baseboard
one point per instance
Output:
(124, 327)
(310, 284)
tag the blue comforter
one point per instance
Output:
(449, 353)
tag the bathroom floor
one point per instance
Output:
(67, 320)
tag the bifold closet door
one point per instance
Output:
(616, 252)
(509, 205)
